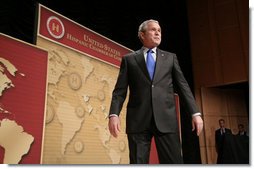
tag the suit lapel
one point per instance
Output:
(160, 60)
(141, 62)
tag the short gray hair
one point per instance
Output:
(143, 26)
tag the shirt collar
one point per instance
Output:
(145, 49)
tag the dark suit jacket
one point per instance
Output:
(219, 138)
(220, 143)
(147, 97)
(244, 133)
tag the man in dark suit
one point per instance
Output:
(151, 75)
(241, 131)
(219, 140)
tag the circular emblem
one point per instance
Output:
(50, 114)
(122, 145)
(75, 81)
(78, 146)
(55, 27)
(101, 95)
(80, 111)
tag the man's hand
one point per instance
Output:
(114, 125)
(197, 123)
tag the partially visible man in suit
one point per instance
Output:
(219, 140)
(151, 75)
(241, 130)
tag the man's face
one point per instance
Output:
(221, 123)
(152, 36)
(240, 128)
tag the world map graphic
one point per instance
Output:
(13, 139)
(78, 100)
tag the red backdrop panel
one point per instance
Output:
(25, 101)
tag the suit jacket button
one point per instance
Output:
(152, 85)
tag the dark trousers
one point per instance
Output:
(167, 144)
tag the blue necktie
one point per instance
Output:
(150, 63)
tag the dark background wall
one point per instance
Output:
(219, 38)
(116, 20)
(119, 21)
